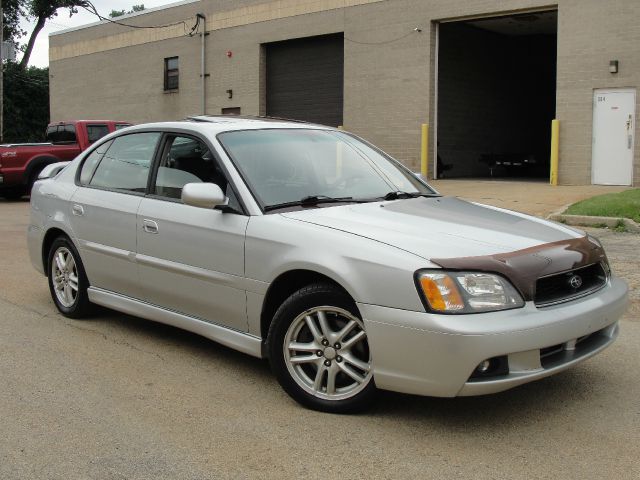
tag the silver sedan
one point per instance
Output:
(310, 247)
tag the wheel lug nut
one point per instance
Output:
(337, 346)
(319, 353)
(338, 359)
(327, 363)
(325, 342)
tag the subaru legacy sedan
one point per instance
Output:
(310, 247)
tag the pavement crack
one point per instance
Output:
(113, 340)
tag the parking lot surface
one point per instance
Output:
(117, 397)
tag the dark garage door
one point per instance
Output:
(305, 79)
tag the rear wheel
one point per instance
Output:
(67, 280)
(319, 350)
(12, 194)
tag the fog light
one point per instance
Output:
(490, 368)
(483, 367)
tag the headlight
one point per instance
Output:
(467, 292)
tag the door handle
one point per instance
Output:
(149, 226)
(77, 210)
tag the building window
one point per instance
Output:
(171, 73)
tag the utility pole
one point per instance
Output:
(1, 74)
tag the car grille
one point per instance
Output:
(566, 286)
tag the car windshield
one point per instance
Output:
(288, 166)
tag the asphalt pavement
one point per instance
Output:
(117, 397)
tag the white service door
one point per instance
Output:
(613, 132)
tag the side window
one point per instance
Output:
(91, 162)
(126, 164)
(171, 73)
(188, 160)
(120, 126)
(96, 132)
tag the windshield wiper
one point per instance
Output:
(309, 201)
(395, 195)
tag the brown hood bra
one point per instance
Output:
(524, 267)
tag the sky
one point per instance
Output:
(40, 55)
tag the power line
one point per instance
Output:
(415, 30)
(91, 8)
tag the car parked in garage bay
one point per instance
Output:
(308, 246)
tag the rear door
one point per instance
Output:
(113, 180)
(191, 259)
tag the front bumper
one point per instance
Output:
(427, 354)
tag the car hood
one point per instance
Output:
(439, 227)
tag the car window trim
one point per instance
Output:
(196, 136)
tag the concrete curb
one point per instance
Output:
(588, 221)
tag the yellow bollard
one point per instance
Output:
(555, 151)
(424, 151)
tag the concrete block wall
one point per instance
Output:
(389, 80)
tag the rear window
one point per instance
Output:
(61, 134)
(96, 131)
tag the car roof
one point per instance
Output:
(214, 124)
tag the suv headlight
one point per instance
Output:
(466, 292)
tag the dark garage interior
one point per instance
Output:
(496, 96)
(305, 79)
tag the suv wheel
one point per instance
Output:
(319, 351)
(67, 280)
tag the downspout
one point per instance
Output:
(203, 66)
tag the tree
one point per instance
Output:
(12, 11)
(119, 13)
(43, 10)
(26, 103)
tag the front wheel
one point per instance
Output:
(319, 351)
(67, 280)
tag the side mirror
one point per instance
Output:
(203, 195)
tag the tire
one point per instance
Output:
(314, 319)
(67, 281)
(13, 194)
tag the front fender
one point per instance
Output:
(370, 271)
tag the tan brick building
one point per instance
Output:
(488, 76)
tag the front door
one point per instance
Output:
(613, 136)
(191, 260)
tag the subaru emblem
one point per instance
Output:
(575, 281)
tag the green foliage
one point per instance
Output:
(622, 205)
(48, 8)
(12, 12)
(620, 226)
(119, 13)
(26, 103)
